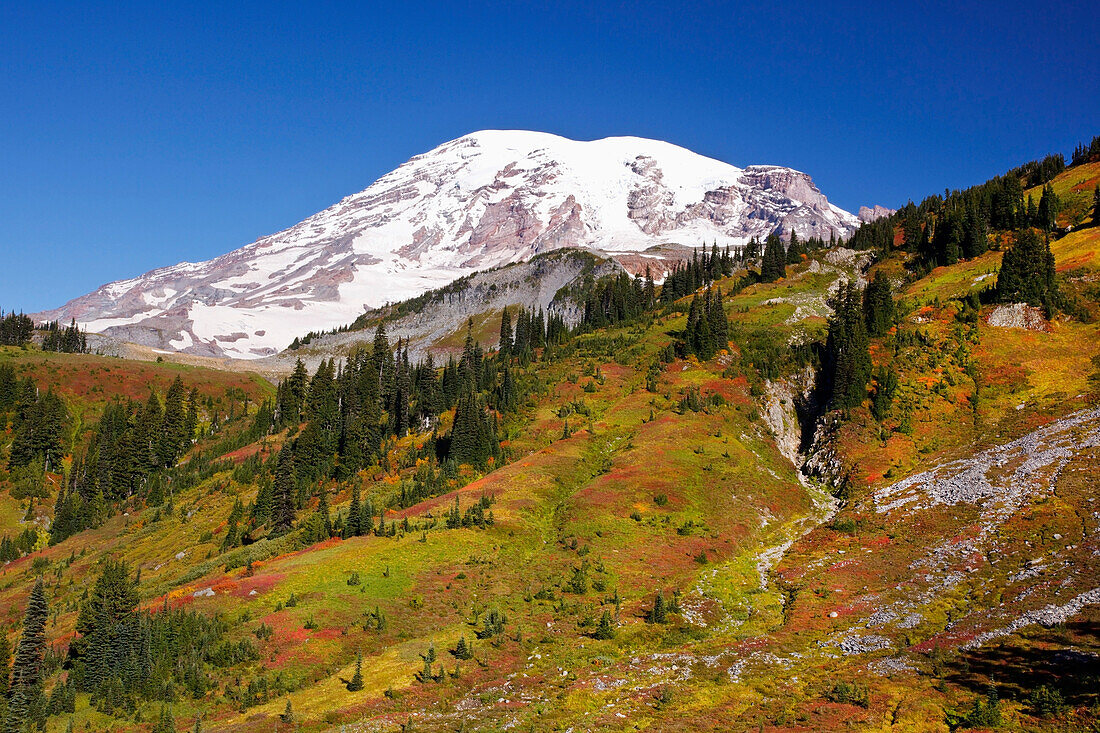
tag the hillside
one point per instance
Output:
(663, 530)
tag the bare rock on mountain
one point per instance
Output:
(869, 214)
(1019, 315)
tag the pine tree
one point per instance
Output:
(847, 349)
(166, 723)
(1027, 272)
(773, 265)
(606, 629)
(795, 250)
(354, 528)
(26, 678)
(1096, 206)
(287, 716)
(650, 289)
(463, 650)
(505, 343)
(356, 682)
(283, 503)
(173, 428)
(659, 613)
(878, 306)
(976, 237)
(1049, 206)
(5, 664)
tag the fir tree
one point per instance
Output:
(356, 682)
(166, 723)
(5, 664)
(1027, 272)
(795, 250)
(1096, 206)
(463, 650)
(283, 502)
(1049, 206)
(26, 677)
(354, 528)
(849, 359)
(505, 344)
(773, 265)
(606, 629)
(878, 306)
(659, 613)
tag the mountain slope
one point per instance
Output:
(483, 200)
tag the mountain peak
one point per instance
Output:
(485, 199)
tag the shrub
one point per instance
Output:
(848, 693)
(1047, 701)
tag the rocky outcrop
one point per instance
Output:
(869, 214)
(541, 283)
(1018, 315)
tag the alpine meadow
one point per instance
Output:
(541, 432)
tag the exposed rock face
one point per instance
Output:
(1019, 315)
(478, 202)
(540, 283)
(867, 214)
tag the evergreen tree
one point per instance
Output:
(1049, 206)
(1096, 206)
(173, 430)
(356, 683)
(605, 630)
(5, 664)
(878, 306)
(1027, 272)
(283, 500)
(659, 613)
(463, 650)
(166, 723)
(849, 359)
(354, 528)
(976, 237)
(26, 677)
(795, 250)
(650, 289)
(505, 343)
(773, 265)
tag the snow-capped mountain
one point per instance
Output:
(480, 201)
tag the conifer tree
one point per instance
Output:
(353, 527)
(878, 306)
(659, 613)
(606, 629)
(505, 344)
(283, 502)
(1096, 206)
(173, 428)
(356, 682)
(5, 664)
(1049, 206)
(795, 250)
(26, 677)
(166, 723)
(847, 349)
(1027, 272)
(773, 265)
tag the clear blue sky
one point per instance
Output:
(142, 135)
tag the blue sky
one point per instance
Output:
(141, 135)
